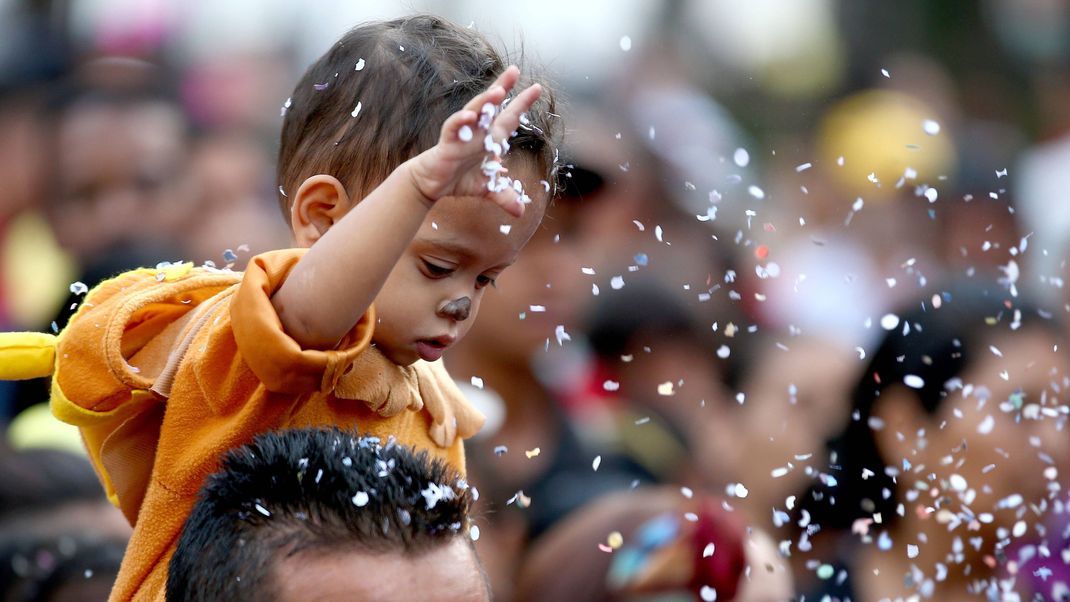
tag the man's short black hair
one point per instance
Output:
(317, 490)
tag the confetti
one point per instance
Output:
(616, 283)
(708, 594)
(885, 73)
(741, 157)
(477, 382)
(736, 490)
(825, 571)
(597, 462)
(532, 453)
(803, 167)
(889, 321)
(1019, 529)
(360, 499)
(931, 194)
(686, 491)
(262, 510)
(465, 133)
(615, 540)
(561, 335)
(504, 228)
(359, 66)
(356, 110)
(625, 43)
(500, 450)
(723, 351)
(666, 388)
(914, 381)
(756, 192)
(79, 288)
(957, 482)
(708, 550)
(611, 385)
(912, 551)
(931, 127)
(473, 532)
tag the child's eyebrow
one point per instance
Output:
(452, 247)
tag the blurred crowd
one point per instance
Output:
(769, 270)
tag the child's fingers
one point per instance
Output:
(506, 122)
(509, 201)
(453, 127)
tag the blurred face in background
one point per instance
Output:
(119, 176)
(991, 443)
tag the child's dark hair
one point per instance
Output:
(380, 96)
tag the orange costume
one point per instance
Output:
(165, 370)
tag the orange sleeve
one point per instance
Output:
(245, 339)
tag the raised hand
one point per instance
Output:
(467, 161)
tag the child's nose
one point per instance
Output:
(457, 309)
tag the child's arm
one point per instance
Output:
(323, 297)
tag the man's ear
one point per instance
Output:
(321, 200)
(901, 412)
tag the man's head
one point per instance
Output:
(376, 99)
(323, 514)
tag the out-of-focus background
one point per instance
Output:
(756, 197)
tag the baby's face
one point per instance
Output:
(433, 294)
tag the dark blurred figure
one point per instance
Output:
(60, 539)
(955, 431)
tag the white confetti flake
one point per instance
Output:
(1019, 529)
(885, 73)
(737, 490)
(611, 385)
(561, 335)
(995, 351)
(360, 499)
(686, 491)
(79, 288)
(958, 483)
(651, 133)
(931, 194)
(708, 594)
(756, 192)
(360, 65)
(889, 321)
(659, 234)
(597, 462)
(723, 351)
(1002, 173)
(803, 167)
(625, 43)
(536, 308)
(912, 551)
(986, 425)
(477, 382)
(474, 533)
(356, 110)
(741, 157)
(465, 133)
(588, 271)
(504, 228)
(913, 381)
(616, 283)
(666, 388)
(708, 550)
(931, 127)
(262, 510)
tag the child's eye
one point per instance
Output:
(482, 281)
(436, 271)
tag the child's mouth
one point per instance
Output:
(431, 350)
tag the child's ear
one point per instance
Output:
(321, 200)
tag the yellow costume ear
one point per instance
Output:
(26, 355)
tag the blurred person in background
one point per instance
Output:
(652, 544)
(956, 437)
(60, 538)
